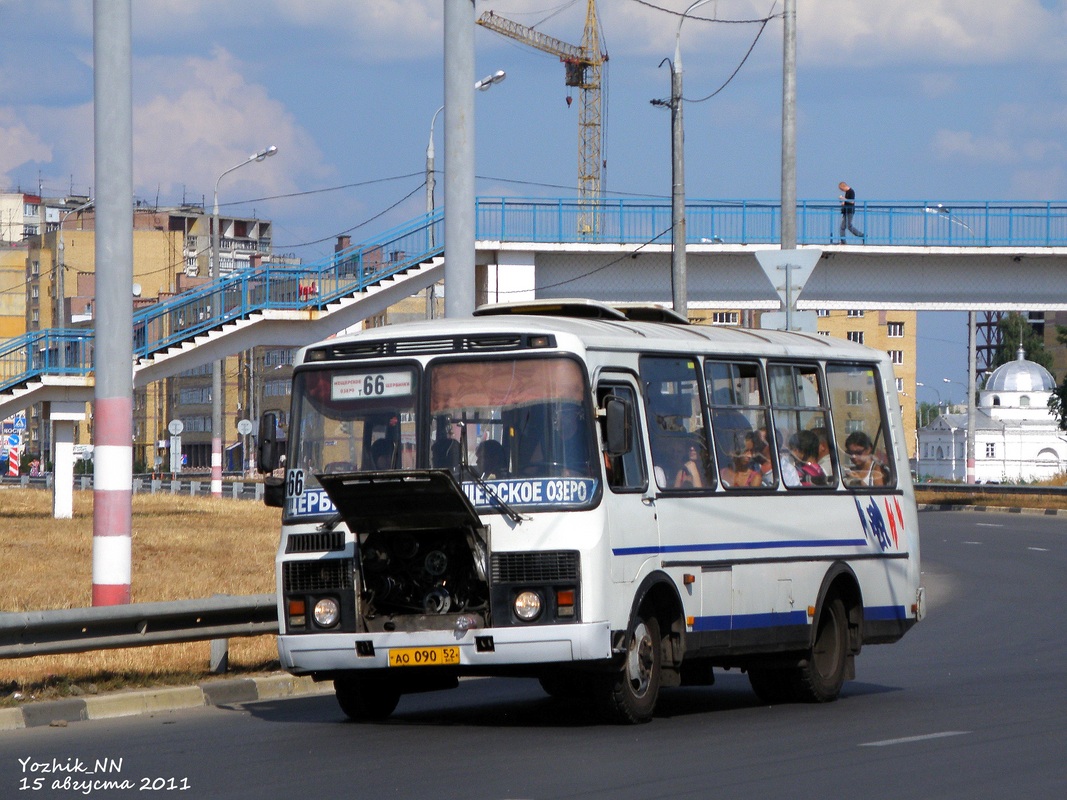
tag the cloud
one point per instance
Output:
(966, 146)
(202, 116)
(865, 34)
(18, 146)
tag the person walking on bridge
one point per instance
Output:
(848, 209)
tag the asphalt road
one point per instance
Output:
(970, 704)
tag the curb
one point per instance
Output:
(1042, 512)
(59, 713)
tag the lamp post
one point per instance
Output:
(216, 367)
(482, 85)
(935, 391)
(679, 289)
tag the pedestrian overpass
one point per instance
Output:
(915, 255)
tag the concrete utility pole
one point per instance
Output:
(459, 158)
(679, 288)
(113, 423)
(789, 126)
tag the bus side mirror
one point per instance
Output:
(274, 492)
(271, 444)
(618, 428)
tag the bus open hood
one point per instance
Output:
(400, 500)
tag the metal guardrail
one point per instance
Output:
(237, 490)
(79, 630)
(995, 489)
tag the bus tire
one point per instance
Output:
(366, 699)
(628, 694)
(820, 677)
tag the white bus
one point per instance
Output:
(603, 497)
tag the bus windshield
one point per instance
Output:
(505, 428)
(515, 418)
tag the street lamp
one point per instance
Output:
(935, 391)
(216, 367)
(482, 85)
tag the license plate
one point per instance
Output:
(423, 656)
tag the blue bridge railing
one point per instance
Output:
(904, 223)
(69, 351)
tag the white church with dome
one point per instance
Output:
(1016, 437)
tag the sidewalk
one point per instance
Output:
(147, 701)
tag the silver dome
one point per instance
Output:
(1020, 375)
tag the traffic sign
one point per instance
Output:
(20, 423)
(788, 271)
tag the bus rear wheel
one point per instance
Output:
(365, 698)
(819, 676)
(628, 694)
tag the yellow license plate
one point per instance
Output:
(423, 656)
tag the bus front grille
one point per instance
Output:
(317, 542)
(536, 567)
(315, 576)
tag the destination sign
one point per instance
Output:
(371, 384)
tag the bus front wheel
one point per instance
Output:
(366, 699)
(628, 694)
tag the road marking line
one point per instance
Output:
(909, 739)
(988, 525)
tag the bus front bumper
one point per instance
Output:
(478, 648)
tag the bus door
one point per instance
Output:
(628, 502)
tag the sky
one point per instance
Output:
(939, 101)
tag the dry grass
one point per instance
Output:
(965, 497)
(183, 548)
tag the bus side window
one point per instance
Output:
(625, 471)
(861, 426)
(677, 435)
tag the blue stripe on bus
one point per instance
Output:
(725, 622)
(884, 613)
(708, 546)
(750, 621)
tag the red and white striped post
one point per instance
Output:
(113, 359)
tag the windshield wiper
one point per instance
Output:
(510, 512)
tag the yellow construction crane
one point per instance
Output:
(584, 65)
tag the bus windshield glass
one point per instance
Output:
(353, 420)
(519, 429)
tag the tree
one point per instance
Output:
(1015, 330)
(1057, 403)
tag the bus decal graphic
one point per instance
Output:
(875, 526)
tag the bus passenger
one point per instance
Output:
(742, 472)
(690, 476)
(824, 451)
(490, 460)
(865, 469)
(382, 452)
(800, 465)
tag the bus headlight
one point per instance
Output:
(528, 606)
(327, 612)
